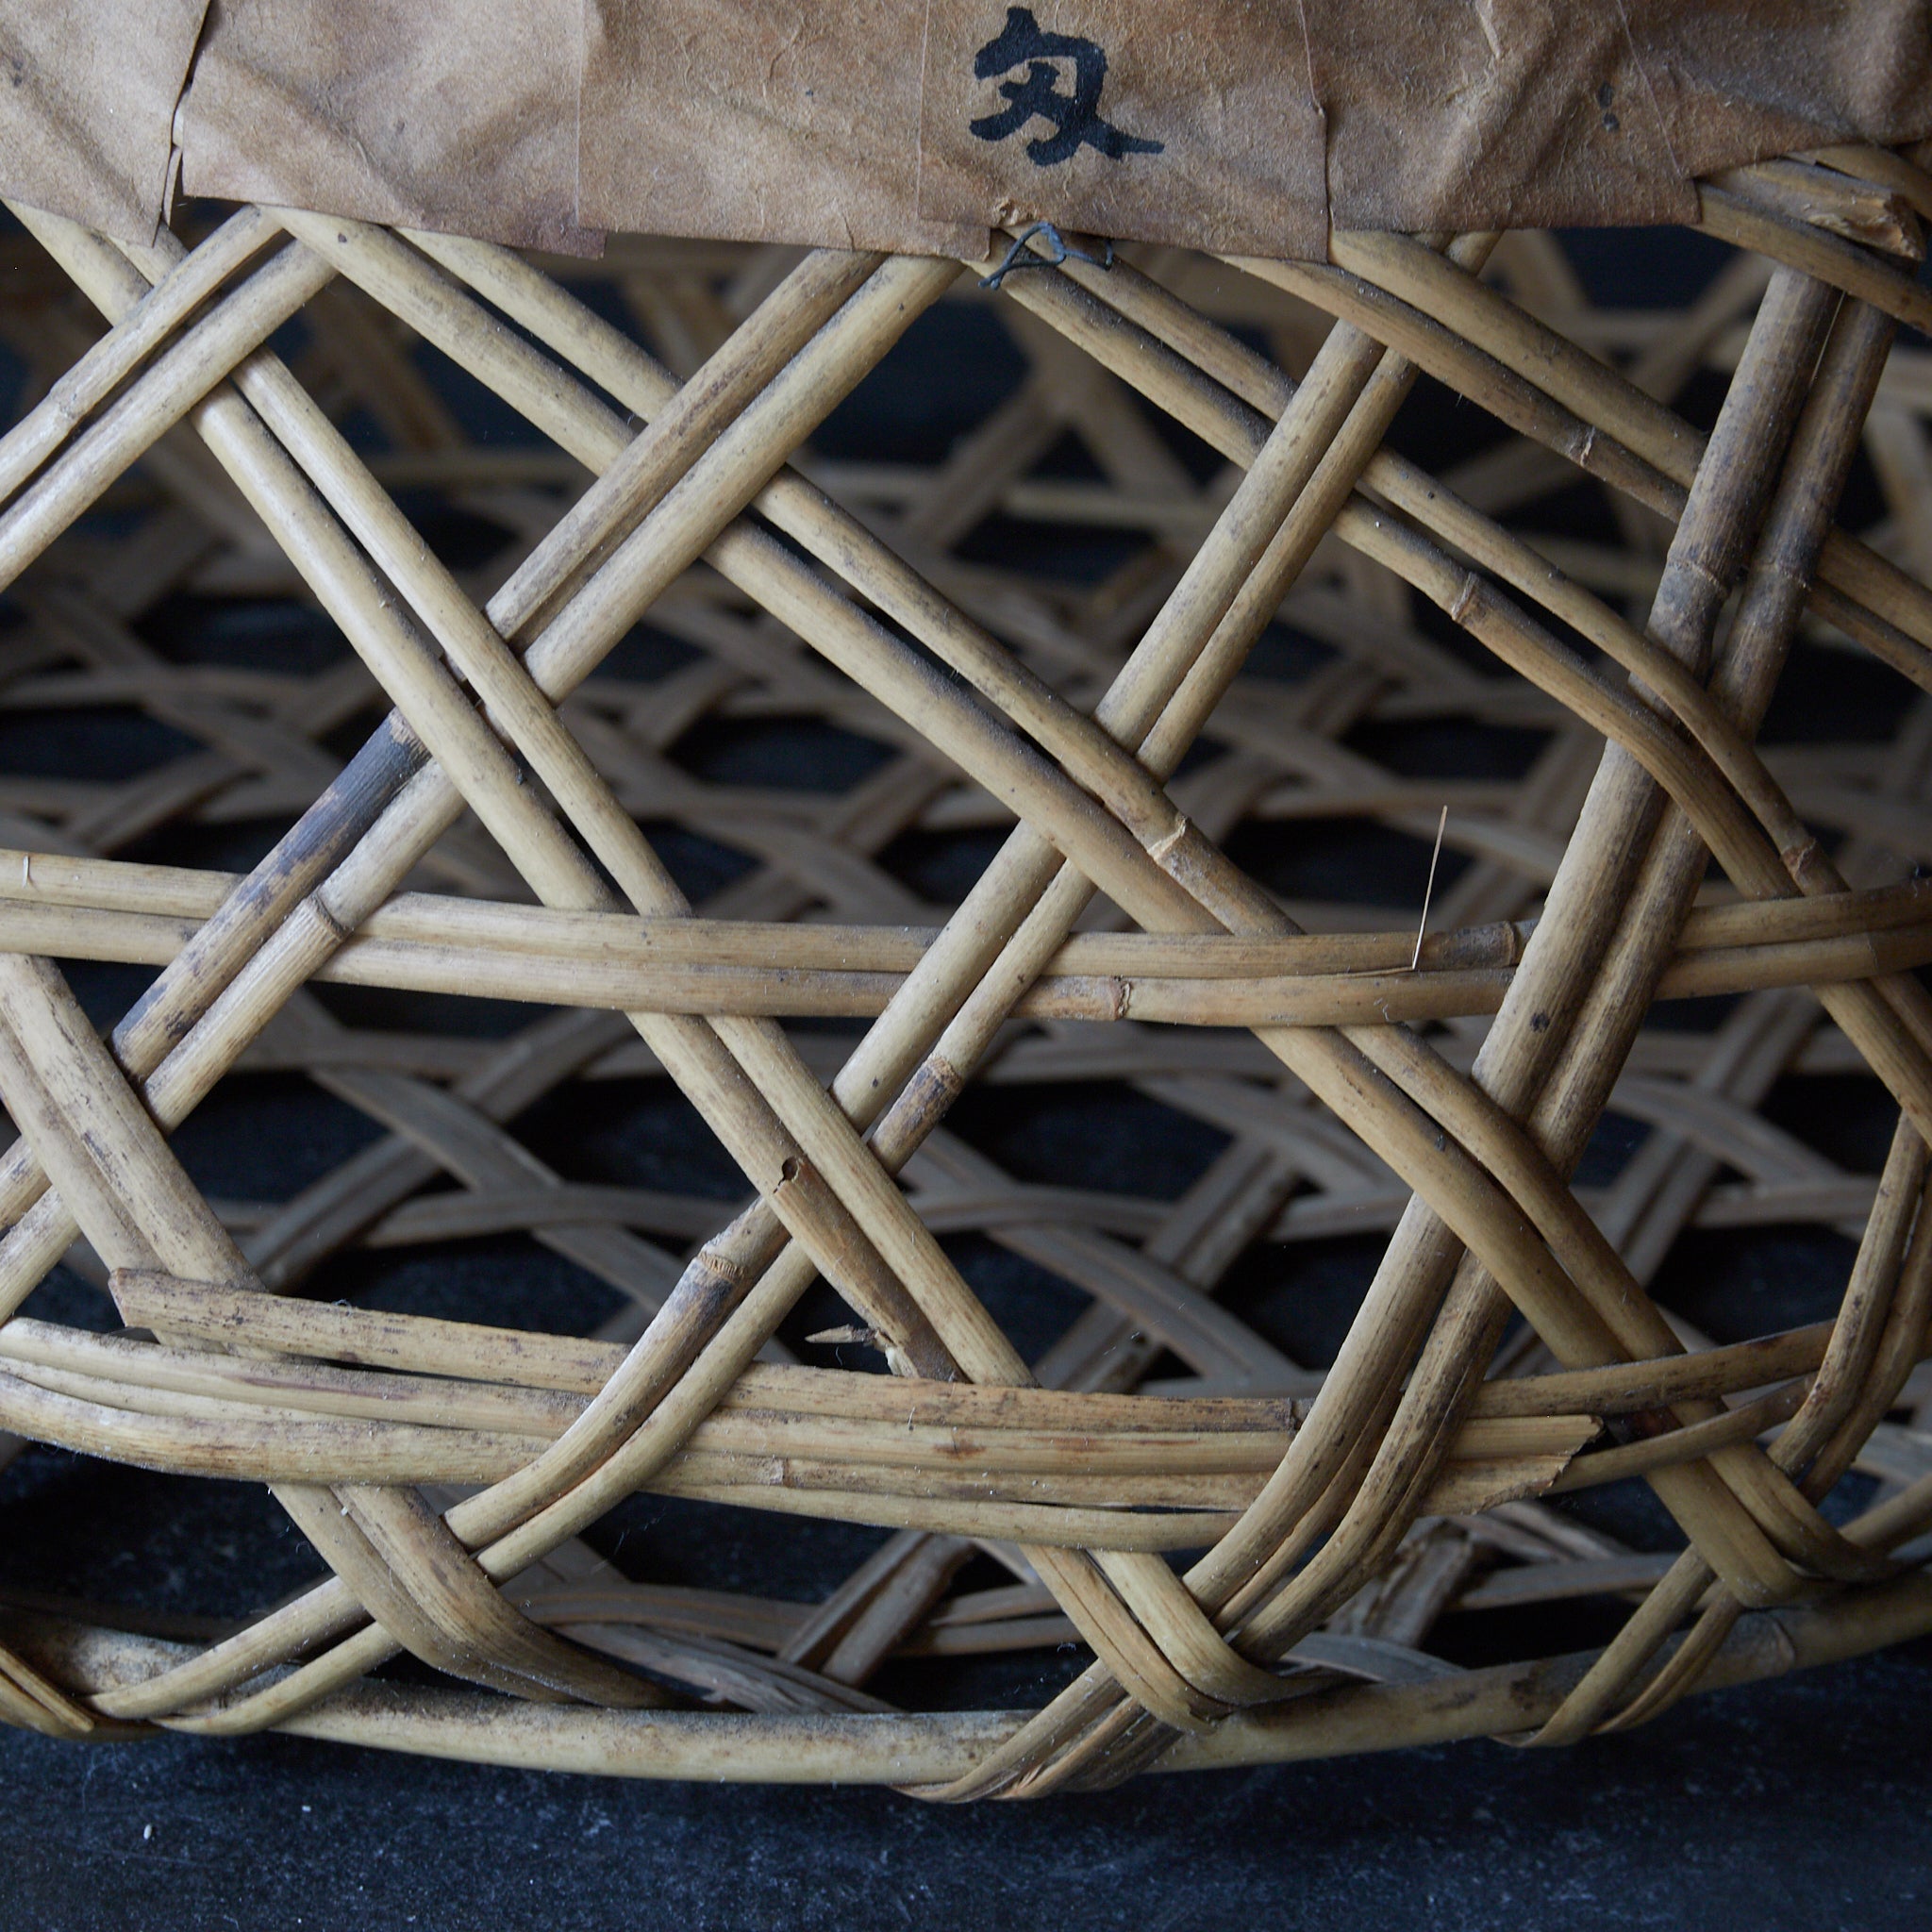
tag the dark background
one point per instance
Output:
(1794, 1803)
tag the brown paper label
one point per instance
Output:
(918, 125)
(744, 118)
(86, 97)
(1513, 113)
(390, 110)
(1189, 125)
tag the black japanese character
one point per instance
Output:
(1075, 117)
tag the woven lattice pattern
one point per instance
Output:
(1123, 715)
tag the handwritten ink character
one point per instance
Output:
(1075, 117)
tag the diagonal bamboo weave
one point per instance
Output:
(1099, 744)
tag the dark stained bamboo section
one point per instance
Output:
(1150, 791)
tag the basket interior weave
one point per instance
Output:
(1020, 1057)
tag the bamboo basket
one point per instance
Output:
(1245, 1559)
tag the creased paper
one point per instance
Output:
(1250, 125)
(87, 95)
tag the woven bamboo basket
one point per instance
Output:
(1231, 1551)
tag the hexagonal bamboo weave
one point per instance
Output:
(1106, 739)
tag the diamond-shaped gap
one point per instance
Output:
(899, 415)
(1104, 1137)
(859, 466)
(1056, 546)
(640, 1133)
(1342, 862)
(1307, 853)
(786, 752)
(1300, 1296)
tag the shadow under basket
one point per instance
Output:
(773, 1016)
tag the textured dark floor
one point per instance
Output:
(1800, 1803)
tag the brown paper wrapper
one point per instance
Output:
(417, 112)
(87, 95)
(1104, 117)
(1250, 125)
(759, 122)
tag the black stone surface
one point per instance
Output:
(1794, 1805)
